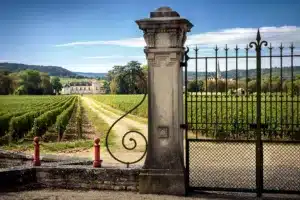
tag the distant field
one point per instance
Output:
(124, 103)
(28, 116)
(66, 80)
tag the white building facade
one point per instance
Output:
(91, 87)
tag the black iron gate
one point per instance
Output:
(242, 119)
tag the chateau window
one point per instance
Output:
(96, 88)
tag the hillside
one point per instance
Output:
(91, 74)
(286, 73)
(51, 70)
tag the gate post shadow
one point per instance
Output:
(165, 34)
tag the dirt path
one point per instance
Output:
(119, 129)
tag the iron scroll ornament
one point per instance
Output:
(258, 44)
(131, 131)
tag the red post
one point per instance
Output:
(97, 161)
(36, 156)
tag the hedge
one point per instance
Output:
(48, 118)
(19, 125)
(63, 119)
(79, 119)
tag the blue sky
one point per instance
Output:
(95, 35)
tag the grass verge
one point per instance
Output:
(100, 125)
(119, 112)
(49, 147)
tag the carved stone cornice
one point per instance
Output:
(162, 60)
(175, 38)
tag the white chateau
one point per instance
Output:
(87, 87)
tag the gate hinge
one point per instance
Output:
(184, 126)
(182, 64)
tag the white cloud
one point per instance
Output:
(240, 36)
(115, 56)
(131, 42)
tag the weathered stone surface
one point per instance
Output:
(68, 177)
(165, 35)
(170, 182)
(16, 178)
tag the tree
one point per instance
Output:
(30, 81)
(106, 87)
(46, 83)
(56, 84)
(113, 86)
(126, 79)
(5, 83)
(195, 86)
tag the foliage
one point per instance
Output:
(79, 118)
(63, 119)
(56, 84)
(5, 83)
(25, 82)
(125, 79)
(20, 125)
(195, 86)
(14, 107)
(48, 118)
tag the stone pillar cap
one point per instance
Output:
(164, 17)
(164, 12)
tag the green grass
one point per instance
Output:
(100, 125)
(124, 103)
(49, 147)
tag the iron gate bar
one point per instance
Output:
(226, 62)
(292, 73)
(281, 84)
(216, 78)
(248, 128)
(255, 124)
(187, 166)
(196, 51)
(271, 103)
(206, 90)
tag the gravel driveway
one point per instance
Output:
(47, 194)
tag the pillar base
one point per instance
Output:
(162, 181)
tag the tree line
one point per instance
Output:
(274, 84)
(126, 79)
(28, 82)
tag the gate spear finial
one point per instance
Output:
(258, 38)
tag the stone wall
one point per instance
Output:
(69, 177)
(79, 177)
(16, 179)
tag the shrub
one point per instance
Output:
(4, 122)
(4, 140)
(47, 119)
(79, 119)
(22, 124)
(63, 119)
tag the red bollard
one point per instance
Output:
(36, 156)
(97, 161)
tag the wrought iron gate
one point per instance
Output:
(242, 122)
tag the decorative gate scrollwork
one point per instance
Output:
(131, 139)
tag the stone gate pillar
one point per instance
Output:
(165, 35)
